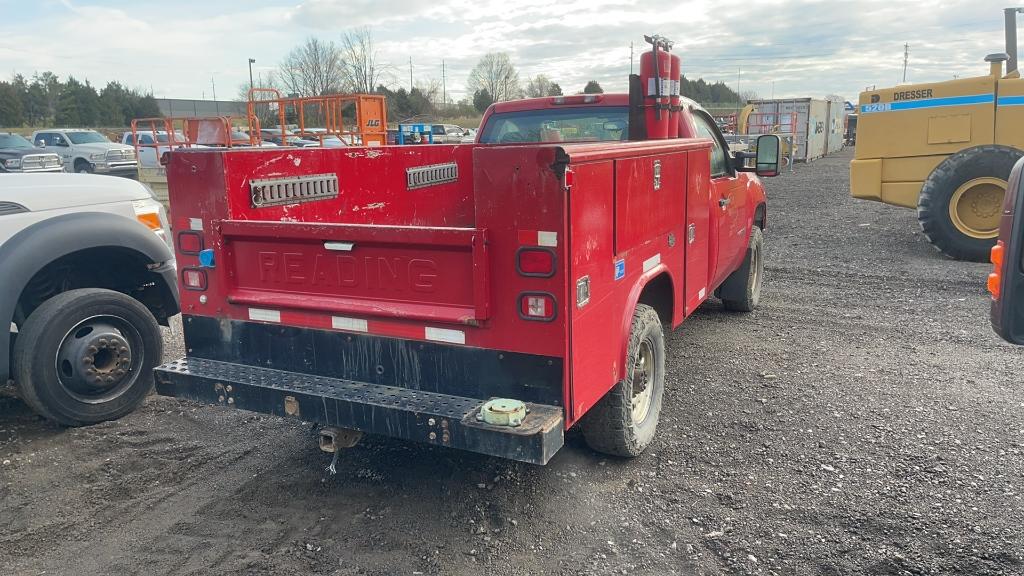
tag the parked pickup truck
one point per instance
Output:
(447, 133)
(18, 155)
(150, 149)
(88, 275)
(482, 296)
(88, 151)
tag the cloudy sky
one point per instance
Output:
(182, 48)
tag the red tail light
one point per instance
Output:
(193, 278)
(537, 306)
(536, 262)
(995, 279)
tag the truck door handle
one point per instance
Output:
(723, 202)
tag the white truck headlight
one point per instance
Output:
(97, 157)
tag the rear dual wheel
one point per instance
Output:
(87, 355)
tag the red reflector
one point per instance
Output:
(193, 278)
(537, 306)
(190, 243)
(536, 262)
(570, 178)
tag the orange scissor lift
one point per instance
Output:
(368, 121)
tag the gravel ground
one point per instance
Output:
(863, 420)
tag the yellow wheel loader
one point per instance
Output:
(945, 148)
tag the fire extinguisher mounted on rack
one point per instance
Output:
(654, 94)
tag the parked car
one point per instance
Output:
(88, 151)
(89, 275)
(150, 150)
(241, 139)
(447, 133)
(289, 138)
(17, 154)
(1006, 282)
(329, 140)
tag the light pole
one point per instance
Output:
(251, 62)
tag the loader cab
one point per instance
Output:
(1006, 282)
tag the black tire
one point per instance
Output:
(610, 426)
(83, 167)
(63, 378)
(741, 291)
(942, 184)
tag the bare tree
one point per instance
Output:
(359, 59)
(540, 85)
(312, 69)
(431, 90)
(495, 74)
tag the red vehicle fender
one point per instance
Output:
(758, 201)
(631, 302)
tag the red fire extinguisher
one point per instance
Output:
(674, 96)
(655, 73)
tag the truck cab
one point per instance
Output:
(88, 151)
(18, 155)
(737, 199)
(484, 296)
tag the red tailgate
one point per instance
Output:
(417, 273)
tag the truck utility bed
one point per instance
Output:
(386, 290)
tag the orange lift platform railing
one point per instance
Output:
(155, 137)
(369, 119)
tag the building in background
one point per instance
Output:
(200, 108)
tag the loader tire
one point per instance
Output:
(623, 423)
(741, 291)
(961, 201)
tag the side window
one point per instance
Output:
(129, 139)
(57, 140)
(719, 157)
(46, 137)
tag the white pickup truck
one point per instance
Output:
(88, 274)
(88, 151)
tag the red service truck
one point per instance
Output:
(484, 296)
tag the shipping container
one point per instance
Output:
(836, 126)
(819, 124)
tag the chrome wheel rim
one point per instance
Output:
(643, 382)
(757, 265)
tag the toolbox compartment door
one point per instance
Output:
(415, 273)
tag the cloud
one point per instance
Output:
(341, 14)
(789, 47)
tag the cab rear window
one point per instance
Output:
(583, 124)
